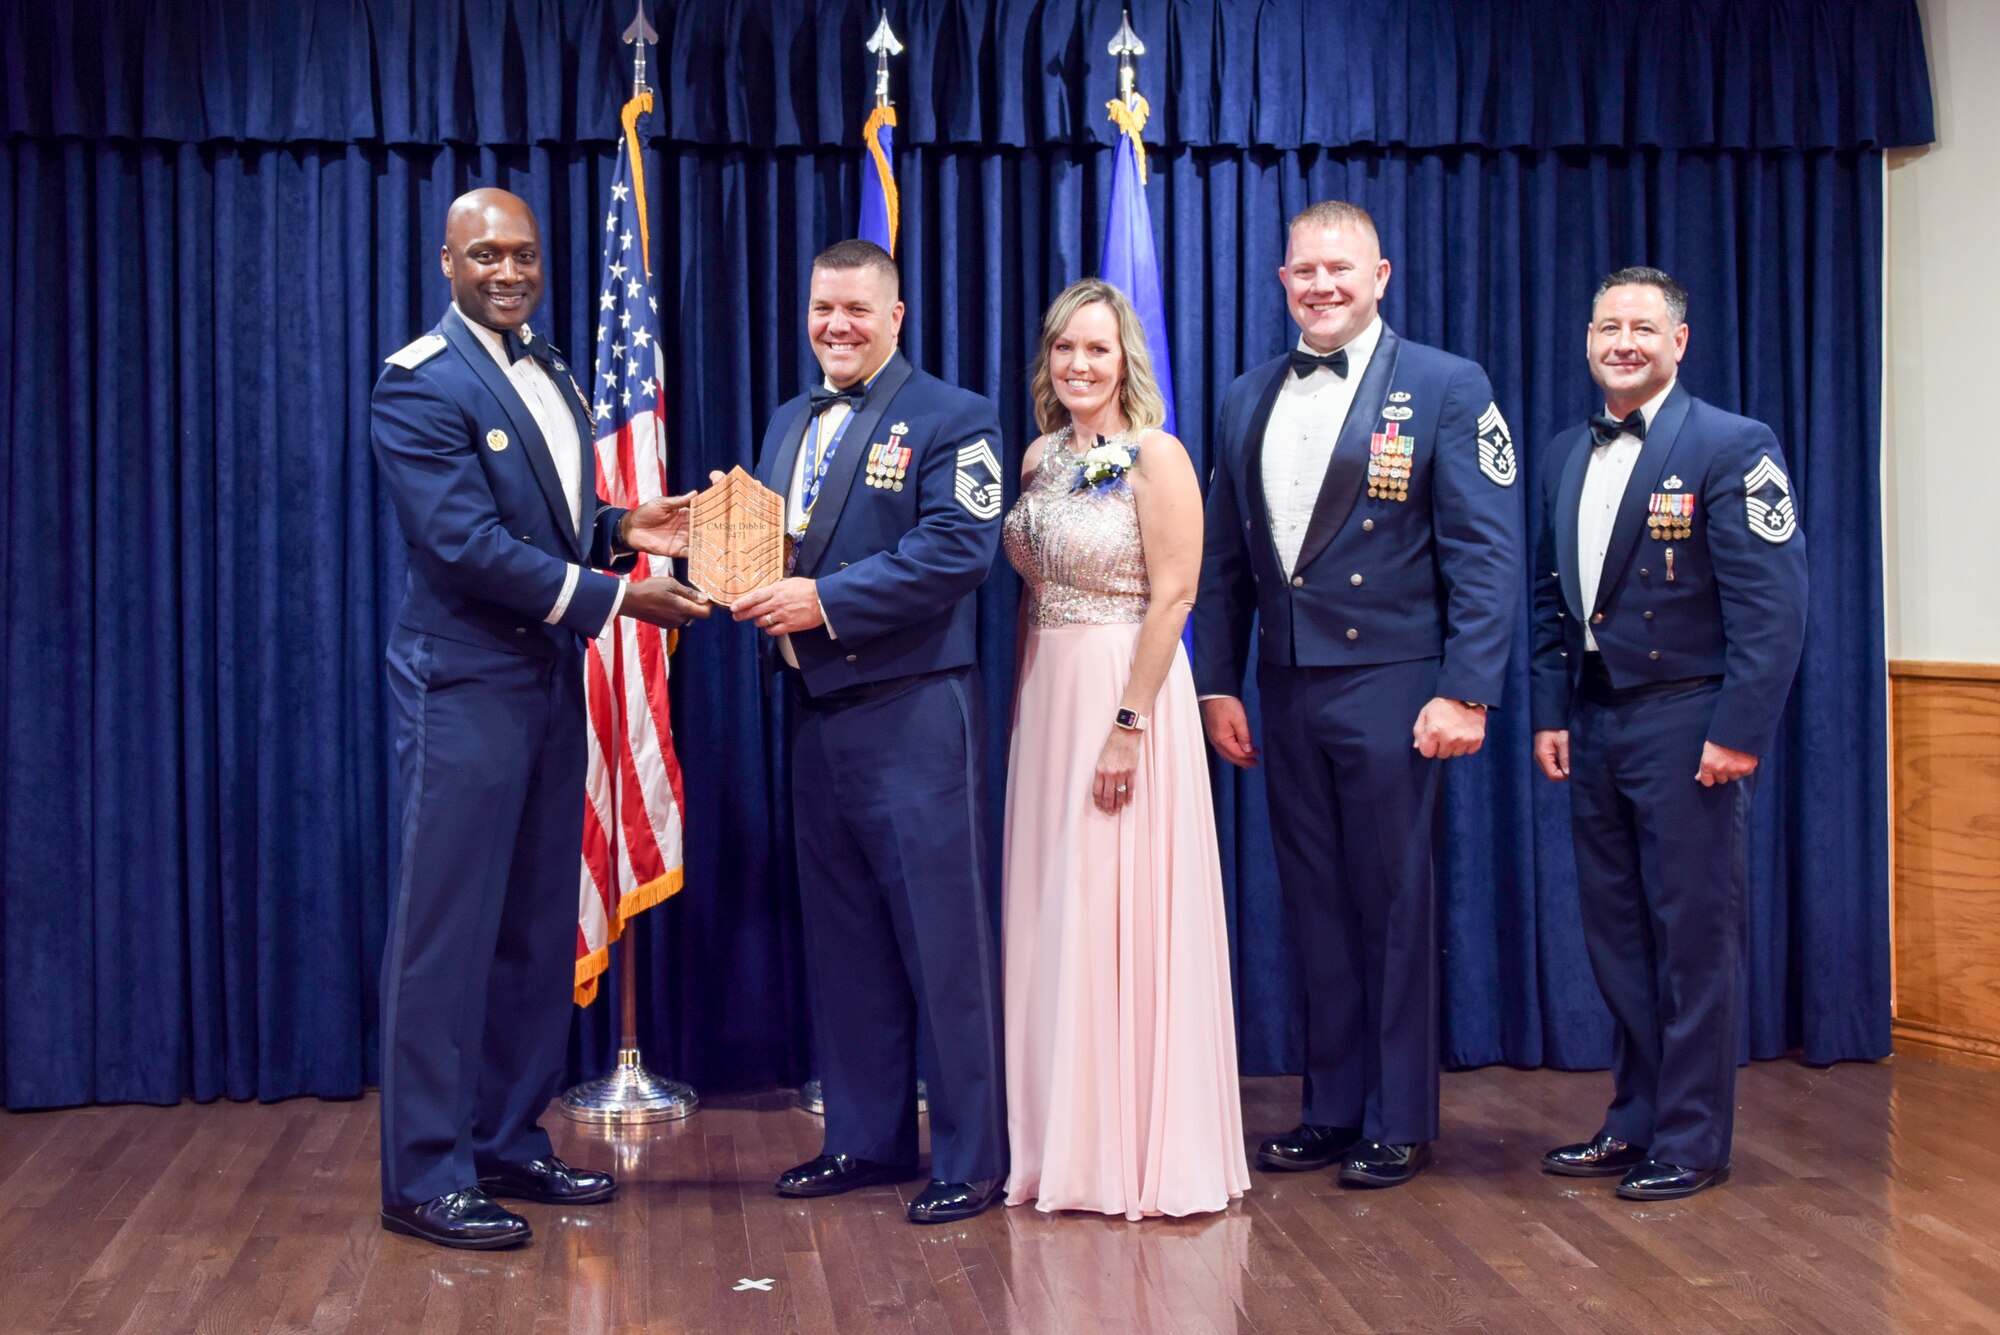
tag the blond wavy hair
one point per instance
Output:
(1139, 394)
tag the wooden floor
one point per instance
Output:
(1865, 1198)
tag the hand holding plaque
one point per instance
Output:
(736, 538)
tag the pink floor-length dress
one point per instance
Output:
(1121, 1043)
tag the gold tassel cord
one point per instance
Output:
(1131, 120)
(879, 117)
(629, 118)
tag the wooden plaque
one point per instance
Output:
(736, 538)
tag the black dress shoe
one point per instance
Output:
(1372, 1164)
(1655, 1180)
(1306, 1147)
(949, 1202)
(468, 1219)
(1603, 1156)
(831, 1174)
(550, 1181)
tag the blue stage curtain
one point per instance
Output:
(1284, 74)
(216, 219)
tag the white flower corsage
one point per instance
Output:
(1104, 466)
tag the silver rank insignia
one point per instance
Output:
(1400, 396)
(1496, 448)
(977, 485)
(1767, 502)
(412, 355)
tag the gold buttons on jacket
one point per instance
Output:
(1597, 620)
(1354, 580)
(1367, 526)
(1353, 634)
(1298, 581)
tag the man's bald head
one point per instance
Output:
(493, 256)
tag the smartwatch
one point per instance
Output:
(1131, 720)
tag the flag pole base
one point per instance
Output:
(630, 1096)
(813, 1099)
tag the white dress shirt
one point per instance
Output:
(543, 396)
(1604, 480)
(1305, 424)
(820, 432)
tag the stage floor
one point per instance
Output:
(1864, 1198)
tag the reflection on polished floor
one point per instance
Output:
(1865, 1198)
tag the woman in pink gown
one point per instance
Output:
(1121, 1040)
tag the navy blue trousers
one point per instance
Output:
(480, 965)
(899, 938)
(1353, 818)
(1661, 864)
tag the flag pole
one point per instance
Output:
(631, 1095)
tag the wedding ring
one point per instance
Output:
(1119, 789)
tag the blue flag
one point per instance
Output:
(1130, 262)
(878, 180)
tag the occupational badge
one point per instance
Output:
(496, 440)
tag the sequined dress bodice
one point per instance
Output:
(1078, 550)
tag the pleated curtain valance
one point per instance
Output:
(774, 74)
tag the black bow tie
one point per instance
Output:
(519, 343)
(1305, 363)
(1604, 428)
(824, 398)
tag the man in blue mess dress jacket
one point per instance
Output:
(893, 492)
(1669, 614)
(484, 444)
(1364, 511)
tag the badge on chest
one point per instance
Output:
(888, 463)
(1670, 513)
(1390, 462)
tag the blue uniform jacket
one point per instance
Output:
(1379, 580)
(895, 570)
(1736, 605)
(482, 508)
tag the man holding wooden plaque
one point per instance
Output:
(892, 495)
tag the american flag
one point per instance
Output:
(632, 813)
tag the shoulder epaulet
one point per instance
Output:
(413, 355)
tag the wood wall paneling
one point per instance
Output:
(1945, 749)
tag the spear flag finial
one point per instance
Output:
(1125, 46)
(638, 35)
(882, 45)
